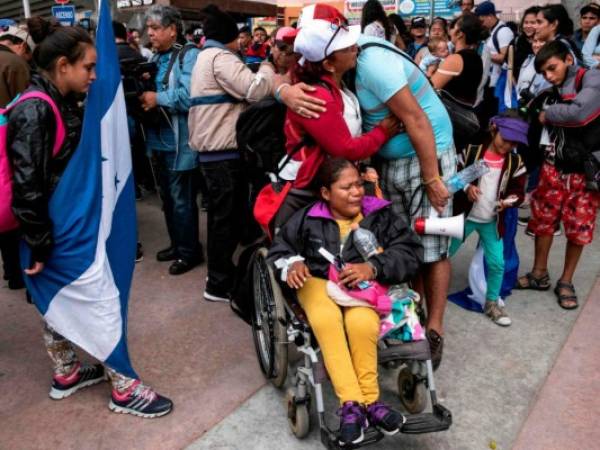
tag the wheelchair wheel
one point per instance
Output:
(412, 391)
(298, 415)
(268, 322)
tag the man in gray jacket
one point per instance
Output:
(221, 88)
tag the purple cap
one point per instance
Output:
(511, 128)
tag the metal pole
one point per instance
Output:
(432, 12)
(26, 9)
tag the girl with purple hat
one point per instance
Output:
(484, 202)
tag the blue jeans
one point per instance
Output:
(178, 192)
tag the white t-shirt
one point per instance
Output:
(484, 209)
(504, 37)
(352, 112)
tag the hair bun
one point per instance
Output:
(40, 28)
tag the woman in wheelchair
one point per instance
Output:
(347, 336)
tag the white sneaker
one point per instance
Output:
(497, 314)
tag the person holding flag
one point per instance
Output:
(74, 200)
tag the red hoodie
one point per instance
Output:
(330, 134)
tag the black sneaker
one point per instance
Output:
(168, 254)
(523, 221)
(16, 283)
(353, 423)
(140, 400)
(81, 377)
(384, 418)
(139, 253)
(216, 295)
(436, 345)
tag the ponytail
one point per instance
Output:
(54, 41)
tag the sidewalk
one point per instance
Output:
(567, 409)
(202, 356)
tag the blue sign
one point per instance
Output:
(443, 8)
(64, 14)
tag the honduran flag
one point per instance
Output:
(473, 296)
(83, 290)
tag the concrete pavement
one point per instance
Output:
(201, 355)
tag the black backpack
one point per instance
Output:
(260, 137)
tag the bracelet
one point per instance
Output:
(433, 180)
(278, 91)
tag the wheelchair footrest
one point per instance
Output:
(438, 420)
(330, 439)
(408, 351)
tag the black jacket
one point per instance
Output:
(313, 227)
(31, 134)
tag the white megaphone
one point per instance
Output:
(448, 226)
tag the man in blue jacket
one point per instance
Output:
(167, 137)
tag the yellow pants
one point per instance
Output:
(348, 341)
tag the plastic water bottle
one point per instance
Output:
(469, 174)
(365, 242)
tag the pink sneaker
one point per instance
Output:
(140, 400)
(82, 376)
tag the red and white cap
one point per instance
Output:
(323, 30)
(287, 35)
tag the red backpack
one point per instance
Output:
(8, 220)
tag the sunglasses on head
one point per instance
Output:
(336, 25)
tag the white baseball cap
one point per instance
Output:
(21, 34)
(323, 30)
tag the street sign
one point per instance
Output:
(64, 14)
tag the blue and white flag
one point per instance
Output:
(473, 297)
(83, 290)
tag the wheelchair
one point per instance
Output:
(278, 321)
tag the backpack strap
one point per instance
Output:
(177, 48)
(472, 154)
(495, 41)
(306, 140)
(396, 51)
(60, 125)
(182, 53)
(579, 78)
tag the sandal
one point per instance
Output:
(536, 283)
(566, 301)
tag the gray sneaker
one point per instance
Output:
(497, 314)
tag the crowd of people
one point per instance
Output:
(416, 102)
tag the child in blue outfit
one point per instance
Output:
(484, 202)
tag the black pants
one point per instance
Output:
(178, 191)
(228, 217)
(9, 247)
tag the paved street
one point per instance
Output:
(493, 380)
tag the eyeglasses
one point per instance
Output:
(336, 25)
